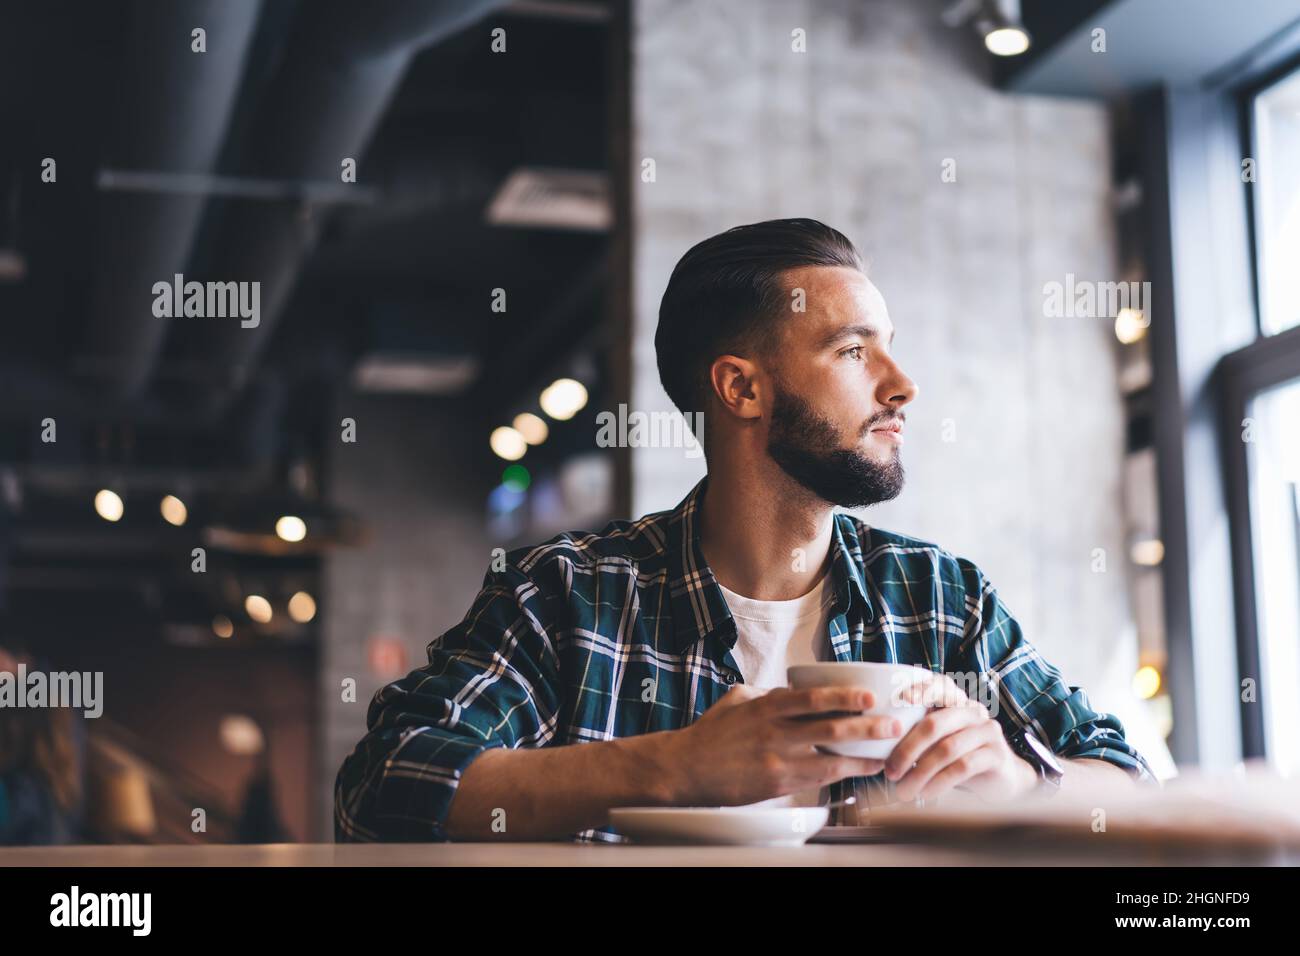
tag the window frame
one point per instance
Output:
(1269, 361)
(1246, 99)
(1208, 360)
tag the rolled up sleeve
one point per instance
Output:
(491, 681)
(1027, 690)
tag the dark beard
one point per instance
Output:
(806, 446)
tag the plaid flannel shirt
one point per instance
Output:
(561, 646)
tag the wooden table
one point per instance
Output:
(965, 853)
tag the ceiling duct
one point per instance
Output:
(176, 109)
(341, 69)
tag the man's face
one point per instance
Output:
(835, 417)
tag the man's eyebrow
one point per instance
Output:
(848, 331)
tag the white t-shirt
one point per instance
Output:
(774, 635)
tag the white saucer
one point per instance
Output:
(720, 826)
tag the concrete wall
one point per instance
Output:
(406, 477)
(855, 131)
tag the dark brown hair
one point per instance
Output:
(726, 295)
(39, 742)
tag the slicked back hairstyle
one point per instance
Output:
(727, 295)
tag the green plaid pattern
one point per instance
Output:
(561, 646)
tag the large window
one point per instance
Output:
(1276, 121)
(1273, 461)
(1258, 388)
(1272, 441)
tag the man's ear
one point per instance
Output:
(734, 381)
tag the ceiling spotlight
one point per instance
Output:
(291, 528)
(173, 510)
(1007, 41)
(563, 398)
(1004, 34)
(531, 427)
(508, 443)
(997, 21)
(108, 505)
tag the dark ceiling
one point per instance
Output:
(414, 265)
(1211, 41)
(406, 262)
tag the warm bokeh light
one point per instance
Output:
(302, 607)
(173, 510)
(1148, 552)
(1007, 41)
(563, 398)
(1131, 325)
(258, 608)
(508, 443)
(223, 627)
(531, 427)
(108, 505)
(1146, 682)
(291, 528)
(241, 735)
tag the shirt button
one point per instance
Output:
(731, 678)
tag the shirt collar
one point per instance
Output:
(847, 570)
(699, 609)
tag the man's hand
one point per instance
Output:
(957, 744)
(753, 746)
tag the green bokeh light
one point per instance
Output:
(516, 478)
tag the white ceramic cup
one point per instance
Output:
(888, 683)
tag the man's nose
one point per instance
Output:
(895, 387)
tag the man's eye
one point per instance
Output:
(854, 353)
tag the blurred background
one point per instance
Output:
(462, 216)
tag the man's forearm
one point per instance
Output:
(1080, 773)
(551, 793)
(1089, 771)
